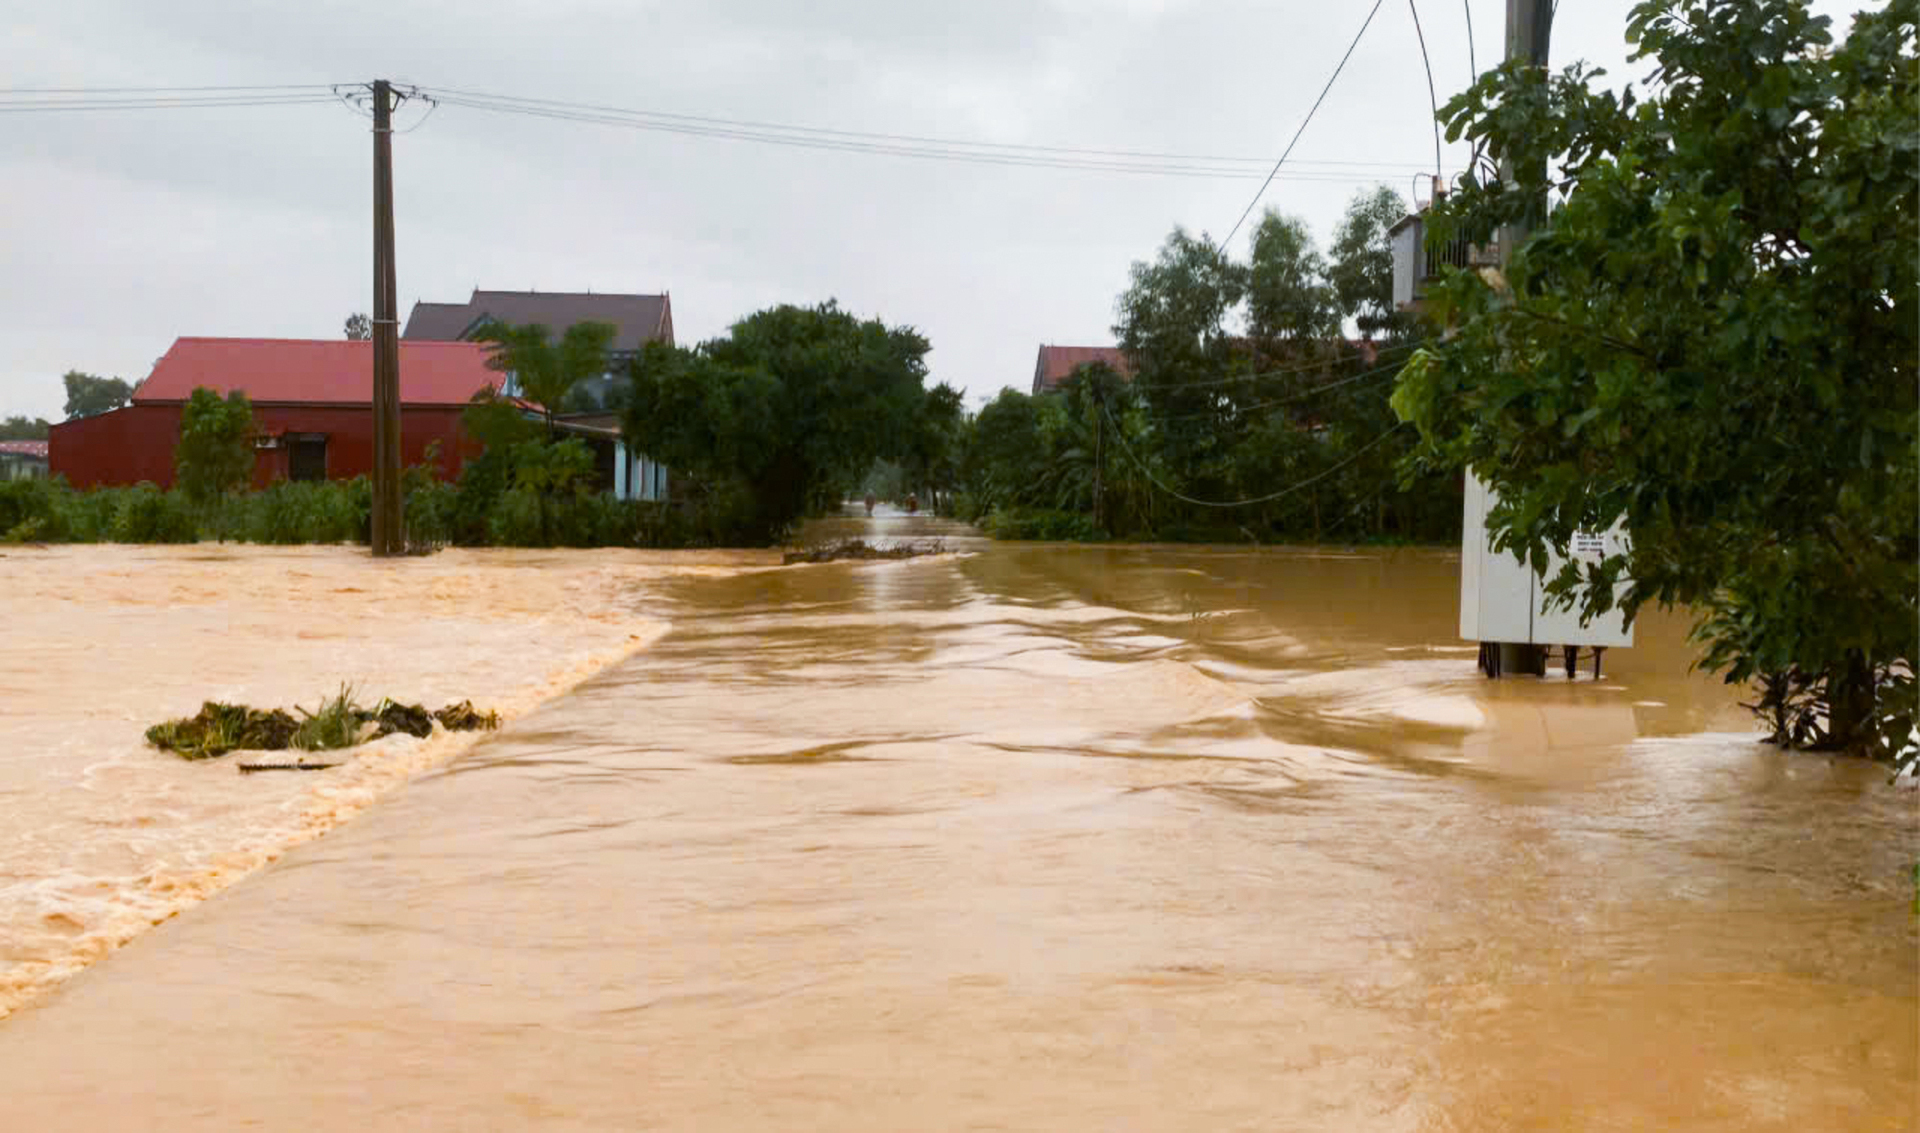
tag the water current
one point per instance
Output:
(1045, 837)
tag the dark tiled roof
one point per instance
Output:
(1057, 363)
(638, 319)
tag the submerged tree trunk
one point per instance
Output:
(1850, 702)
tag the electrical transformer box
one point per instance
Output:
(1502, 600)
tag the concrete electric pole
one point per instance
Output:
(1529, 27)
(389, 533)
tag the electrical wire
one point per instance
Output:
(1121, 438)
(162, 90)
(876, 137)
(1284, 154)
(889, 149)
(1264, 374)
(1471, 65)
(29, 106)
(1375, 375)
(1433, 99)
(433, 104)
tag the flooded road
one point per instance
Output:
(1050, 838)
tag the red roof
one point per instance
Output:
(1057, 363)
(25, 448)
(307, 371)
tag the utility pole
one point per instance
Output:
(1529, 27)
(1099, 454)
(389, 534)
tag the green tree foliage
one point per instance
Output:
(24, 429)
(785, 414)
(1289, 298)
(88, 395)
(359, 327)
(547, 369)
(930, 459)
(1243, 381)
(1003, 457)
(1712, 339)
(215, 453)
(1362, 271)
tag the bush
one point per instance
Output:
(145, 514)
(1044, 525)
(306, 512)
(30, 511)
(431, 508)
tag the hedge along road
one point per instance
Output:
(1051, 837)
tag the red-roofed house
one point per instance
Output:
(312, 404)
(1057, 363)
(22, 460)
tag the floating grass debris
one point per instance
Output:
(220, 728)
(861, 549)
(297, 765)
(337, 722)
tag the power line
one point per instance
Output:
(1263, 374)
(1433, 100)
(1309, 482)
(890, 149)
(1471, 65)
(868, 136)
(162, 90)
(29, 106)
(1377, 374)
(1284, 154)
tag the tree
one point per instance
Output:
(24, 429)
(1362, 270)
(792, 407)
(1004, 458)
(1289, 301)
(1713, 338)
(359, 327)
(930, 460)
(215, 453)
(88, 395)
(546, 370)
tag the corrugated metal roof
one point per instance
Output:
(637, 319)
(316, 371)
(25, 448)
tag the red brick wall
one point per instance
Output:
(136, 442)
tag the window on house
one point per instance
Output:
(307, 456)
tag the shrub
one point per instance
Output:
(304, 512)
(145, 514)
(1043, 524)
(29, 511)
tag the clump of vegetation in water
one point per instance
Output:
(220, 728)
(337, 722)
(861, 549)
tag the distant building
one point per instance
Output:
(23, 460)
(636, 319)
(1057, 363)
(312, 404)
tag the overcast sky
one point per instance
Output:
(125, 230)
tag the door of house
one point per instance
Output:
(307, 456)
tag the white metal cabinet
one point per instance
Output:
(1502, 600)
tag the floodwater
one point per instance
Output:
(1038, 837)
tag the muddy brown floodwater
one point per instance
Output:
(1039, 837)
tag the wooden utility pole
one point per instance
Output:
(1099, 456)
(389, 532)
(1529, 27)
